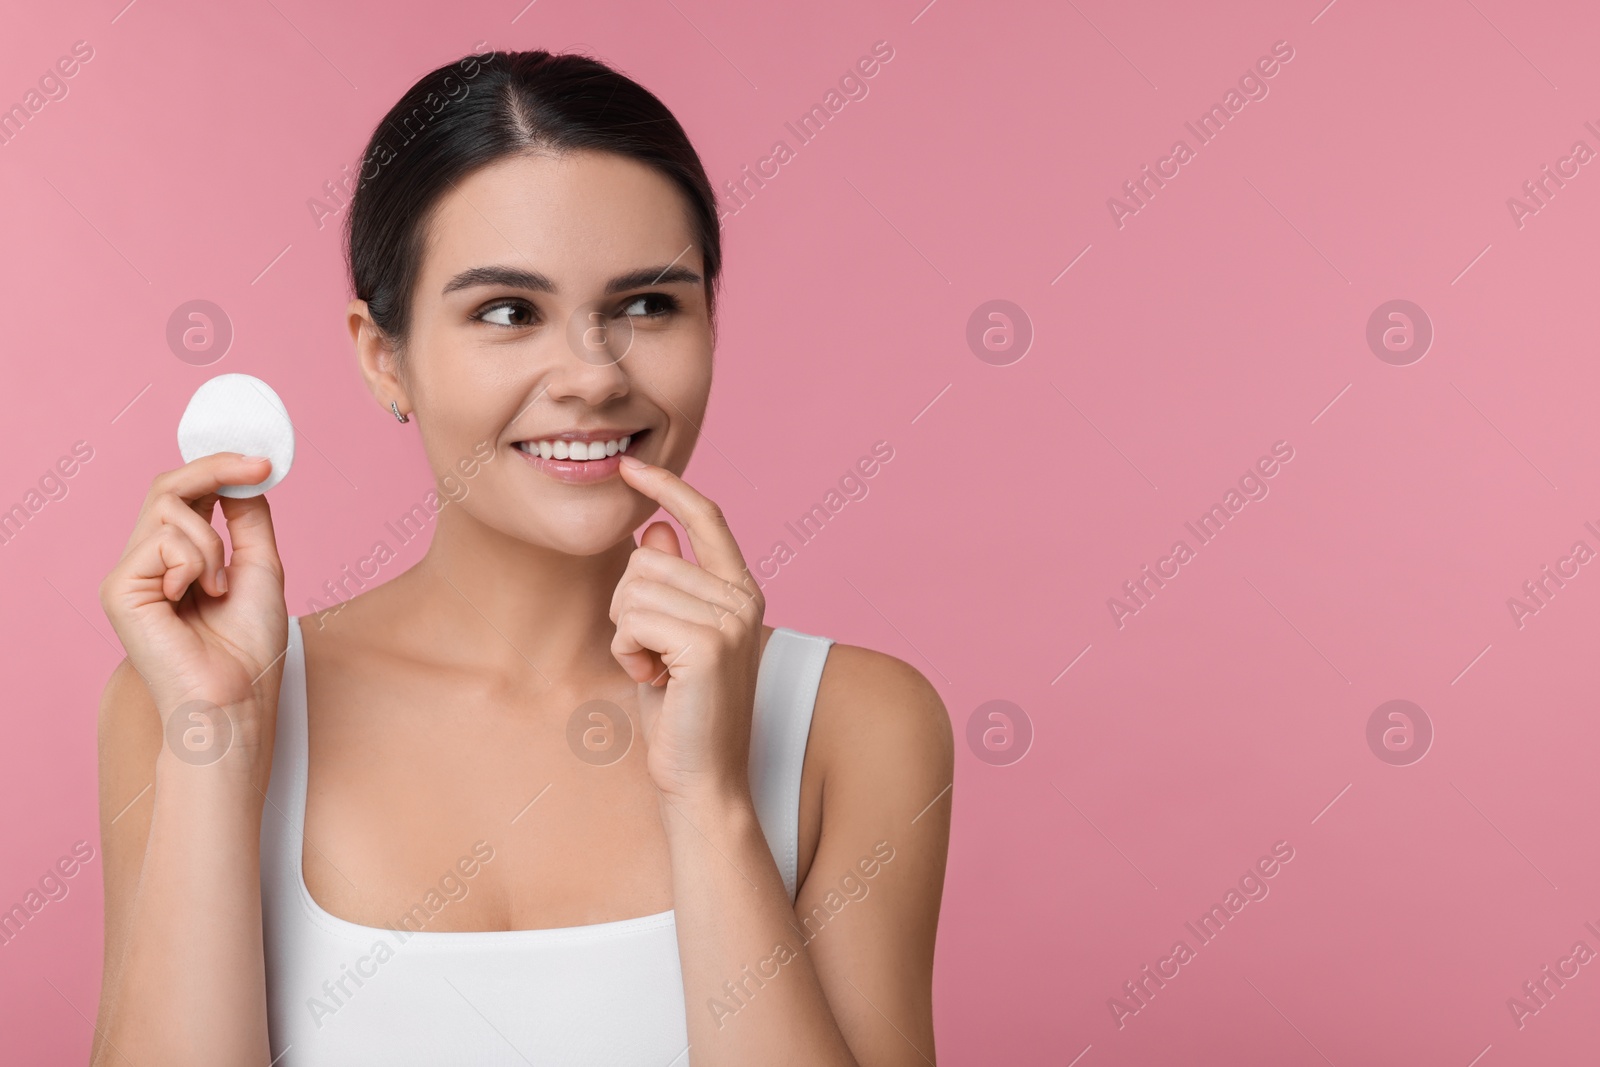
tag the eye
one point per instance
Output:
(515, 308)
(667, 302)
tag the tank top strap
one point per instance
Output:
(786, 694)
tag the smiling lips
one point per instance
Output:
(578, 456)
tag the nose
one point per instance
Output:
(590, 362)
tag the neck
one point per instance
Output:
(518, 603)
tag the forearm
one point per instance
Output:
(191, 986)
(751, 991)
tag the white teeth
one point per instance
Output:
(580, 450)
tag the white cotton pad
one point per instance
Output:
(238, 413)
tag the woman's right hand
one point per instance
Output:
(197, 627)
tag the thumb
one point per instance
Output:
(660, 536)
(250, 532)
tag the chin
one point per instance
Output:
(585, 531)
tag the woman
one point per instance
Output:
(551, 795)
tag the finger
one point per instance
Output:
(185, 564)
(652, 565)
(639, 556)
(643, 667)
(170, 510)
(134, 583)
(205, 506)
(647, 595)
(658, 538)
(251, 534)
(669, 639)
(661, 537)
(210, 473)
(165, 563)
(159, 508)
(707, 527)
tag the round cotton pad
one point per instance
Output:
(238, 413)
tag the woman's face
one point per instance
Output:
(560, 299)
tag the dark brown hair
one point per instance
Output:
(486, 107)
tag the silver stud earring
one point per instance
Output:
(394, 407)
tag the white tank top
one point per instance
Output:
(339, 993)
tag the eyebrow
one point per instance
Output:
(519, 278)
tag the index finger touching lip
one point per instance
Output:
(209, 473)
(709, 535)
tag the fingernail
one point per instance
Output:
(631, 461)
(253, 459)
(222, 580)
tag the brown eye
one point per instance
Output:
(665, 304)
(517, 313)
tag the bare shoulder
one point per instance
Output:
(883, 802)
(880, 723)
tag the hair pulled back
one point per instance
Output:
(484, 108)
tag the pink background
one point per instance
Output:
(1228, 314)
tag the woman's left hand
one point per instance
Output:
(690, 635)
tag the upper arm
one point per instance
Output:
(869, 906)
(129, 741)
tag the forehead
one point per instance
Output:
(577, 217)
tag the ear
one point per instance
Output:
(377, 359)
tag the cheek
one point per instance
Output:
(685, 413)
(466, 391)
(461, 419)
(684, 377)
